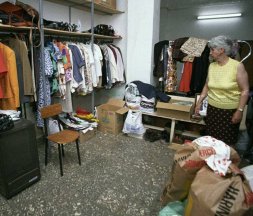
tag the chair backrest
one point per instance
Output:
(51, 110)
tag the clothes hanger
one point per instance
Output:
(249, 54)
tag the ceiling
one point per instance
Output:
(182, 4)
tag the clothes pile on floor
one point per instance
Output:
(206, 181)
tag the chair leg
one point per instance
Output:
(60, 158)
(78, 152)
(62, 149)
(46, 151)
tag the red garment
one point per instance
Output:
(3, 71)
(185, 81)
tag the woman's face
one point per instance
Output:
(216, 52)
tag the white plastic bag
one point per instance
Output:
(133, 122)
(147, 105)
(248, 172)
(203, 107)
(132, 96)
(53, 126)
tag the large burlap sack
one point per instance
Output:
(188, 160)
(215, 195)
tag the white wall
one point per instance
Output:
(176, 23)
(141, 28)
(156, 34)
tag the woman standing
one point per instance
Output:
(227, 89)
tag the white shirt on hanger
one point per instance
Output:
(92, 65)
(97, 60)
(82, 88)
(87, 72)
(113, 66)
(120, 65)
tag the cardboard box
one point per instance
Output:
(106, 3)
(110, 116)
(87, 136)
(180, 108)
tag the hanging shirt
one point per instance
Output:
(119, 64)
(113, 66)
(92, 65)
(3, 72)
(9, 83)
(194, 46)
(185, 81)
(24, 69)
(97, 60)
(104, 75)
(16, 48)
(44, 97)
(73, 83)
(88, 71)
(82, 89)
(108, 82)
(78, 62)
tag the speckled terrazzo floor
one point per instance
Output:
(119, 175)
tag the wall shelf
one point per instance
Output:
(86, 5)
(87, 34)
(9, 28)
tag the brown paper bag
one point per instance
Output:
(187, 162)
(214, 195)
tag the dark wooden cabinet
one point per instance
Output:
(19, 161)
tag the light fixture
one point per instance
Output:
(219, 16)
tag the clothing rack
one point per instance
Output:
(239, 41)
(102, 40)
(42, 36)
(66, 38)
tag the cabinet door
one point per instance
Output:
(18, 152)
(19, 163)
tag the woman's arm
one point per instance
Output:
(243, 83)
(201, 98)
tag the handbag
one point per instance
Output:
(6, 122)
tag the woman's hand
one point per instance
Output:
(197, 108)
(237, 117)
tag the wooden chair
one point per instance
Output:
(62, 137)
